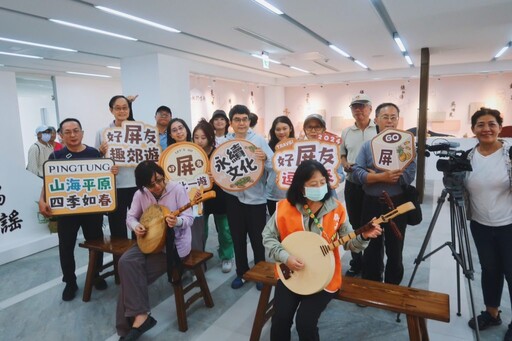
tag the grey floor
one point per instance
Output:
(31, 307)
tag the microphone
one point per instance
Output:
(442, 146)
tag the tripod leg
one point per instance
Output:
(420, 258)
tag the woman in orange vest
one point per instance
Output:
(308, 207)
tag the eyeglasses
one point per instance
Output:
(310, 129)
(239, 120)
(158, 181)
(71, 132)
(164, 114)
(175, 130)
(389, 118)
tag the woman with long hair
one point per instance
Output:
(282, 128)
(204, 136)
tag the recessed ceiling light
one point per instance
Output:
(137, 19)
(261, 57)
(87, 74)
(37, 44)
(399, 42)
(360, 64)
(408, 59)
(91, 29)
(20, 55)
(114, 67)
(299, 69)
(502, 51)
(340, 51)
(270, 7)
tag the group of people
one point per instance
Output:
(308, 205)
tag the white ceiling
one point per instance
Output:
(462, 35)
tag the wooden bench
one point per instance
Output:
(117, 246)
(416, 304)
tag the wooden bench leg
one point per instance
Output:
(91, 273)
(417, 328)
(203, 285)
(181, 309)
(260, 318)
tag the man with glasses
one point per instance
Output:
(247, 209)
(352, 138)
(92, 224)
(163, 116)
(374, 182)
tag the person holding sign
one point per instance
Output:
(282, 128)
(120, 108)
(247, 209)
(204, 136)
(138, 270)
(309, 206)
(374, 182)
(68, 226)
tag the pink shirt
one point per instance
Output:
(173, 198)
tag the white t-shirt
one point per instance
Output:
(489, 189)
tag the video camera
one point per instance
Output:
(457, 159)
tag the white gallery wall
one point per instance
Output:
(449, 101)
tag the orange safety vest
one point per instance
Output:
(289, 220)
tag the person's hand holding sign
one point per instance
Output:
(260, 154)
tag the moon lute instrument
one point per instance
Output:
(153, 219)
(316, 254)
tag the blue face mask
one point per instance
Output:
(46, 137)
(315, 193)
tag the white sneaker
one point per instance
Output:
(227, 265)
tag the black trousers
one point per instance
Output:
(310, 307)
(373, 257)
(246, 220)
(68, 227)
(271, 207)
(117, 219)
(354, 202)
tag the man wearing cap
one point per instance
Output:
(39, 152)
(163, 116)
(352, 139)
(220, 123)
(374, 182)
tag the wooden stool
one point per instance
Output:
(113, 245)
(194, 262)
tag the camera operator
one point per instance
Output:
(489, 208)
(374, 182)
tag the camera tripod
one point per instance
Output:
(459, 244)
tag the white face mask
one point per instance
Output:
(45, 137)
(315, 193)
